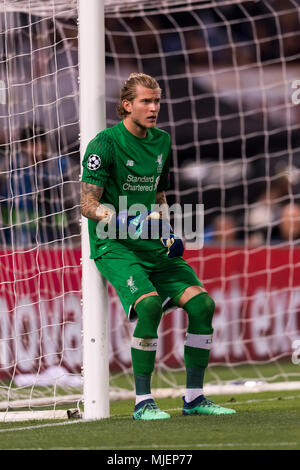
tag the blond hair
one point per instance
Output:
(128, 91)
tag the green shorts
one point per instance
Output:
(133, 274)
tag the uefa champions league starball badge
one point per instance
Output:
(93, 162)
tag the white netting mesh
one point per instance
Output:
(39, 187)
(226, 70)
(41, 8)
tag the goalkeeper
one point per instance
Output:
(130, 162)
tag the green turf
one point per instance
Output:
(268, 420)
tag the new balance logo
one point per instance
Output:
(156, 182)
(130, 163)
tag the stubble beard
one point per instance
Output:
(143, 127)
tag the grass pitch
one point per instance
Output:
(264, 421)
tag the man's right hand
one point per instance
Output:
(147, 225)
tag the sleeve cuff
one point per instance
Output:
(98, 182)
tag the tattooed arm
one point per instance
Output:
(161, 200)
(90, 203)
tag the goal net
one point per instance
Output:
(228, 71)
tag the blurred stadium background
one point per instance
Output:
(227, 71)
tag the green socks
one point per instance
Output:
(144, 342)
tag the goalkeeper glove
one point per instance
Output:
(145, 225)
(150, 225)
(173, 243)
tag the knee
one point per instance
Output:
(208, 306)
(200, 305)
(149, 312)
(200, 310)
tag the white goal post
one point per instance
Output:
(92, 118)
(94, 288)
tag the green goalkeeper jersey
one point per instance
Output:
(126, 165)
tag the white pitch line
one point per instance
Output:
(39, 426)
(65, 423)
